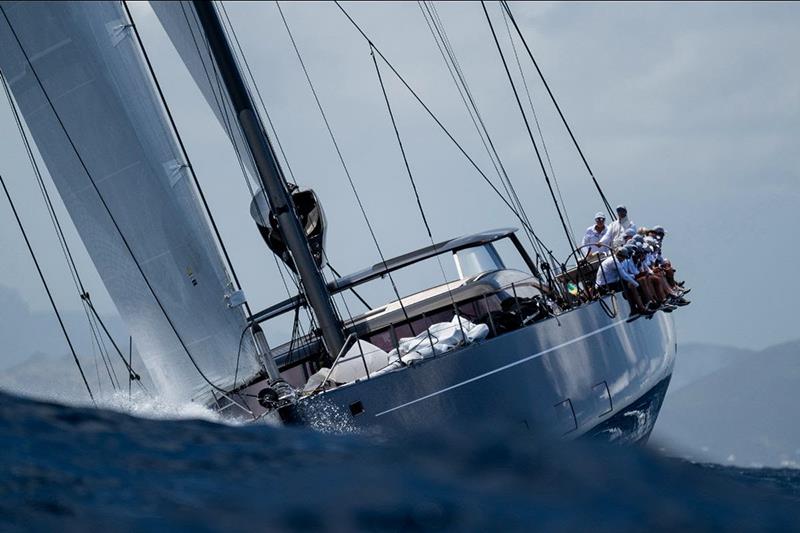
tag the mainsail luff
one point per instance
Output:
(151, 233)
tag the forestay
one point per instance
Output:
(91, 69)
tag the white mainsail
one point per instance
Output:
(104, 130)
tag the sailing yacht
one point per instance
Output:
(532, 349)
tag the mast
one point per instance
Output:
(272, 181)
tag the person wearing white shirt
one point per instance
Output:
(593, 235)
(614, 237)
(615, 275)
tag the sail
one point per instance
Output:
(78, 76)
(180, 20)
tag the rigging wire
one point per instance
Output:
(184, 152)
(507, 9)
(441, 125)
(352, 290)
(429, 111)
(344, 167)
(112, 373)
(65, 249)
(439, 33)
(97, 371)
(92, 181)
(46, 286)
(414, 188)
(567, 233)
(536, 120)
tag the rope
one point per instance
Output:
(558, 108)
(528, 128)
(104, 204)
(46, 286)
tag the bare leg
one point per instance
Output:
(646, 289)
(633, 299)
(658, 287)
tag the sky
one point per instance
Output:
(689, 113)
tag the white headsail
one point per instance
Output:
(78, 76)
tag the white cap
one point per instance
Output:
(599, 214)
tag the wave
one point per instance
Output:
(71, 468)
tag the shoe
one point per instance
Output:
(633, 317)
(687, 290)
(680, 302)
(680, 283)
(652, 306)
(668, 308)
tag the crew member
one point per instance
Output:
(616, 230)
(615, 275)
(593, 235)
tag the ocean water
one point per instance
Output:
(66, 468)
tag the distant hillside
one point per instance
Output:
(746, 413)
(57, 378)
(24, 331)
(697, 360)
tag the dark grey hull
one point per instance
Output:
(584, 373)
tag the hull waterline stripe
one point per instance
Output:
(504, 367)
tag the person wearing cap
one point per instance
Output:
(658, 233)
(614, 237)
(629, 234)
(655, 292)
(663, 271)
(593, 235)
(614, 275)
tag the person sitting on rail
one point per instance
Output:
(593, 235)
(616, 230)
(629, 234)
(613, 275)
(654, 291)
(662, 267)
(658, 233)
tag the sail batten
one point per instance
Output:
(102, 132)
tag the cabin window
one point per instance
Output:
(476, 260)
